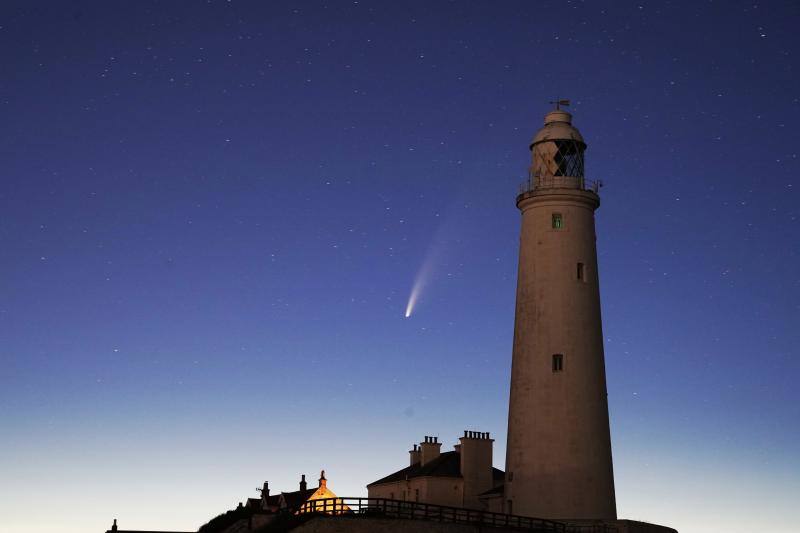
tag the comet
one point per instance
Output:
(441, 245)
(419, 283)
(412, 300)
(432, 258)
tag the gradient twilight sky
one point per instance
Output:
(213, 214)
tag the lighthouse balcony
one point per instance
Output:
(539, 183)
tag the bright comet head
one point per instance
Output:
(412, 299)
(422, 278)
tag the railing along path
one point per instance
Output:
(389, 508)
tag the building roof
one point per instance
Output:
(298, 497)
(448, 464)
(254, 503)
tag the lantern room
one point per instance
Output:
(557, 154)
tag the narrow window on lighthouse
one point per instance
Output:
(558, 362)
(558, 221)
(580, 272)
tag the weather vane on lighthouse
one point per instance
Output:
(558, 102)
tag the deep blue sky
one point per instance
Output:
(212, 214)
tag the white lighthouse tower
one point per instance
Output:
(558, 462)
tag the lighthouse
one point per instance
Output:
(558, 459)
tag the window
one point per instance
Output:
(581, 276)
(558, 221)
(558, 362)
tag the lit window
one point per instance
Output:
(558, 221)
(558, 362)
(580, 272)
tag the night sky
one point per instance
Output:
(212, 215)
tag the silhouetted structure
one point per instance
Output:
(256, 513)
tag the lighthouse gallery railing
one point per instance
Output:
(559, 182)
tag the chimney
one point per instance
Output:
(429, 450)
(114, 527)
(265, 491)
(476, 466)
(303, 484)
(323, 483)
(415, 455)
